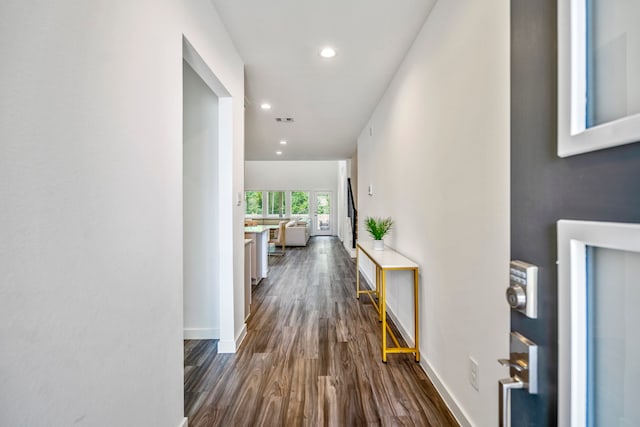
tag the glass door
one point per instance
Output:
(322, 223)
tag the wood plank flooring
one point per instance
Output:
(311, 357)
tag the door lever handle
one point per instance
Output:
(523, 361)
(504, 390)
(507, 362)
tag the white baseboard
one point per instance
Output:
(241, 335)
(448, 398)
(233, 346)
(201, 333)
(184, 423)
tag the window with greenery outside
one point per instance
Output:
(253, 202)
(277, 203)
(300, 204)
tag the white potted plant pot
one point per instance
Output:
(378, 245)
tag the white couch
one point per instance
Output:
(297, 233)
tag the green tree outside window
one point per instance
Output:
(299, 203)
(323, 204)
(253, 202)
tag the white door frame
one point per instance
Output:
(314, 217)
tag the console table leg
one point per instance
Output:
(383, 313)
(415, 314)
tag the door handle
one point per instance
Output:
(504, 391)
(523, 364)
(514, 365)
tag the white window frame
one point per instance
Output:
(265, 207)
(573, 135)
(573, 239)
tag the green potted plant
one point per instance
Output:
(378, 228)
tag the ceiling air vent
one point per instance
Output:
(284, 119)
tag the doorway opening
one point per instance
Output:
(209, 296)
(201, 291)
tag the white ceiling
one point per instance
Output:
(330, 100)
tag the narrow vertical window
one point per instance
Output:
(300, 204)
(253, 203)
(613, 342)
(613, 60)
(277, 203)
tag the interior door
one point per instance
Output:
(323, 213)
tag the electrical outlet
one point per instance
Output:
(474, 373)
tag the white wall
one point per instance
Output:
(291, 175)
(200, 213)
(91, 218)
(438, 161)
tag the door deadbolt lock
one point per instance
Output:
(523, 288)
(516, 297)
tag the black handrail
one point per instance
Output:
(352, 213)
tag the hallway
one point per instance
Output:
(311, 356)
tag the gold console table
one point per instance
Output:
(388, 260)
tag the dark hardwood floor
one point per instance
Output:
(311, 357)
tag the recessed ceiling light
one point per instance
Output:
(279, 153)
(283, 142)
(328, 52)
(265, 106)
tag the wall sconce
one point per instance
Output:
(370, 190)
